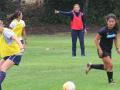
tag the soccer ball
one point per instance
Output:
(69, 86)
(47, 49)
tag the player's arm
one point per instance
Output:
(14, 37)
(64, 13)
(84, 23)
(116, 44)
(11, 26)
(97, 43)
(24, 35)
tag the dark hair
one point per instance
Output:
(111, 15)
(14, 15)
(76, 5)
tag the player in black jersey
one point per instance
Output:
(104, 42)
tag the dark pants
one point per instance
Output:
(80, 35)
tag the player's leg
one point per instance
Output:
(74, 41)
(94, 66)
(5, 66)
(109, 68)
(81, 40)
(1, 62)
(12, 60)
(97, 66)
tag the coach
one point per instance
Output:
(77, 27)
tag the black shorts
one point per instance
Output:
(105, 54)
(15, 58)
(22, 41)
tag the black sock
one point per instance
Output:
(110, 76)
(97, 66)
(2, 77)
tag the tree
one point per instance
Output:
(7, 7)
(97, 9)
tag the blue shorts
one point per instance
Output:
(15, 58)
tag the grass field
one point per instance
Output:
(43, 69)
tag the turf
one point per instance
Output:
(48, 63)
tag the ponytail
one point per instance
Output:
(14, 15)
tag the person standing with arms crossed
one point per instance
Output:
(77, 27)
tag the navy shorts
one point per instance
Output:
(15, 58)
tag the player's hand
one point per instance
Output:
(24, 46)
(21, 47)
(100, 52)
(118, 51)
(86, 31)
(57, 12)
(25, 43)
(25, 40)
(22, 50)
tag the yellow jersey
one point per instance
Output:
(8, 47)
(17, 27)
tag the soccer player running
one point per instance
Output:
(10, 50)
(18, 26)
(77, 27)
(104, 43)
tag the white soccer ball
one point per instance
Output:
(47, 49)
(69, 86)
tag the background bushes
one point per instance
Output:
(39, 15)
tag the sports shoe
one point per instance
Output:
(112, 83)
(88, 68)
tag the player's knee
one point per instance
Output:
(3, 68)
(110, 66)
(105, 68)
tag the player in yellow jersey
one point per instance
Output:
(18, 25)
(10, 51)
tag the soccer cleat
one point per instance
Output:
(88, 68)
(112, 83)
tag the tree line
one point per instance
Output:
(36, 15)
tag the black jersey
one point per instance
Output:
(107, 37)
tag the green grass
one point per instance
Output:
(48, 70)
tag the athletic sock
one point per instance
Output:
(110, 76)
(2, 77)
(97, 66)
